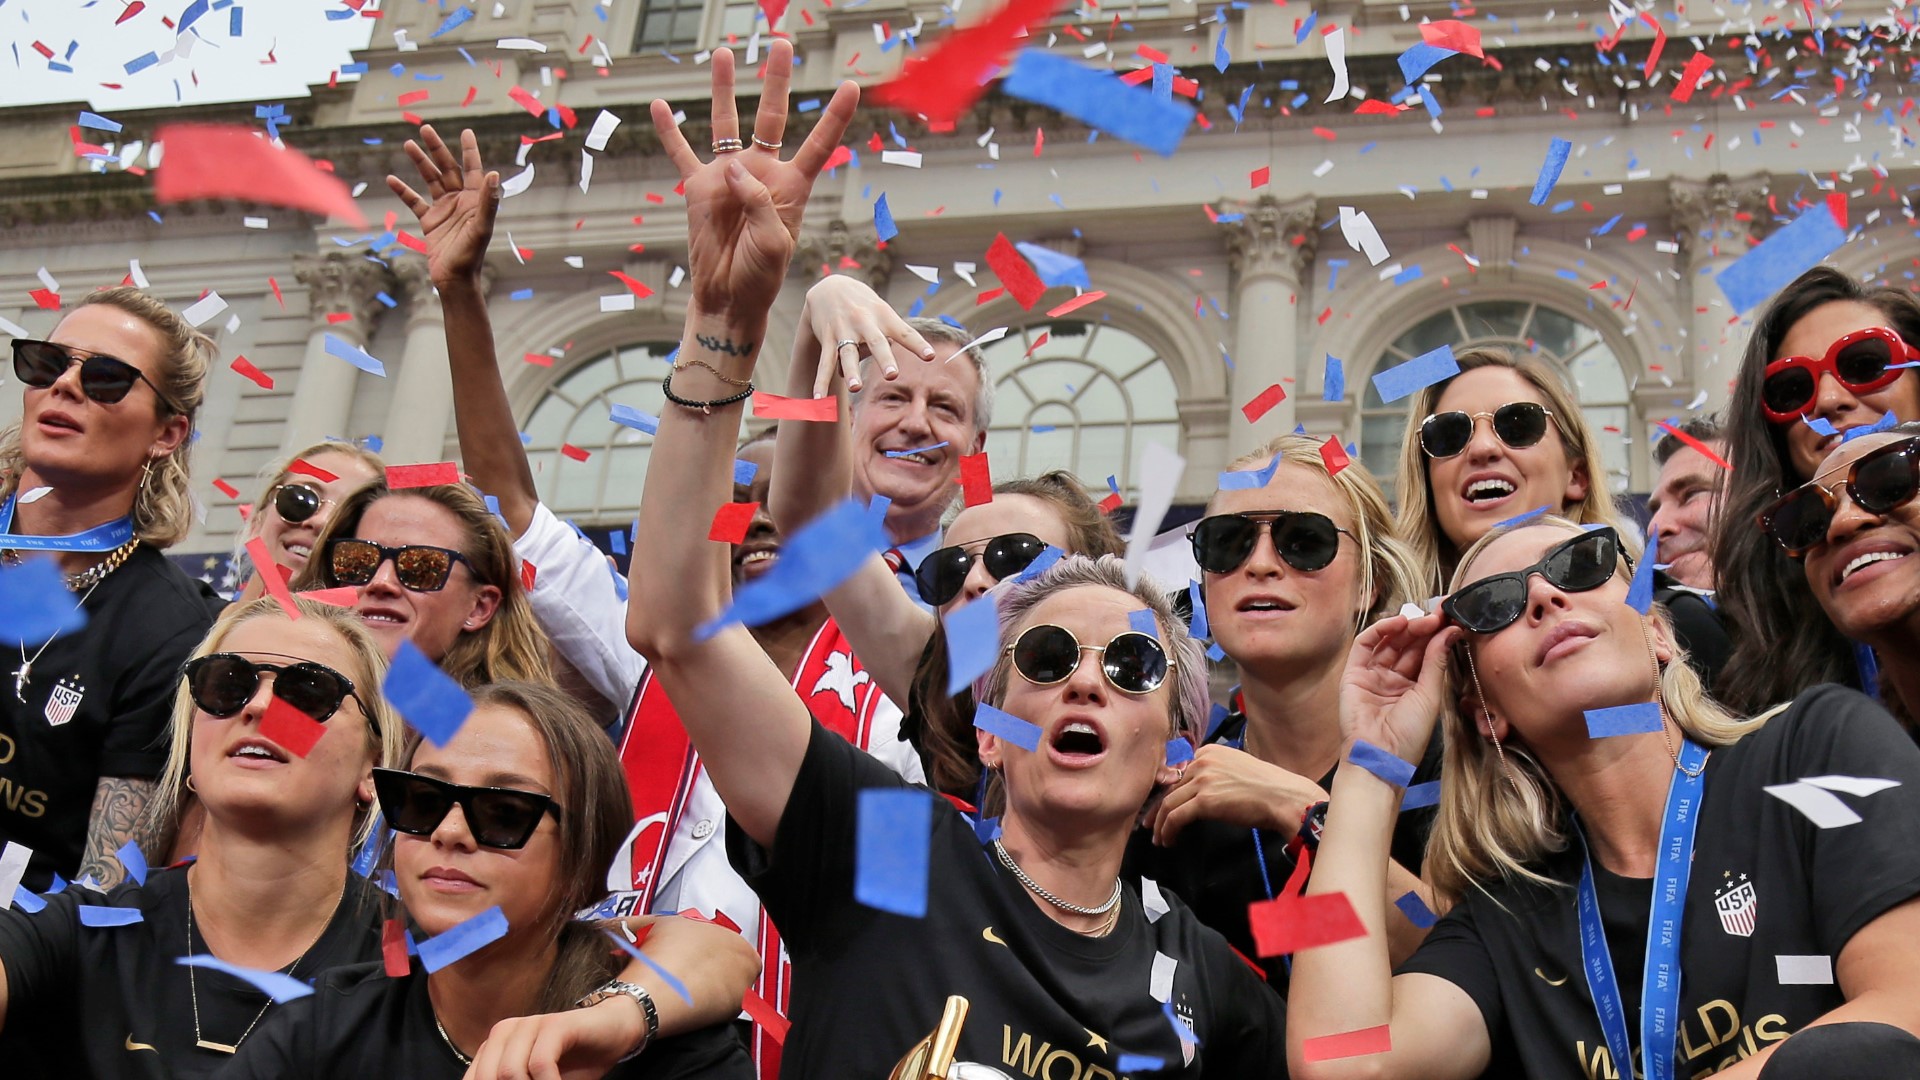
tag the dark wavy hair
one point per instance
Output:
(1781, 643)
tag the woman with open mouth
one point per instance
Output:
(296, 503)
(1643, 883)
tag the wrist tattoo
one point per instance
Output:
(723, 345)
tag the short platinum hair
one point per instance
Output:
(935, 330)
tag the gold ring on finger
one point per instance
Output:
(765, 145)
(728, 146)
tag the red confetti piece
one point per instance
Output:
(540, 358)
(730, 522)
(1452, 34)
(1334, 455)
(1326, 133)
(1039, 140)
(638, 288)
(275, 286)
(226, 489)
(1076, 303)
(953, 74)
(41, 48)
(308, 468)
(1260, 176)
(133, 9)
(291, 728)
(840, 156)
(393, 949)
(412, 97)
(47, 299)
(246, 369)
(526, 100)
(1288, 924)
(1037, 342)
(575, 452)
(1376, 107)
(1263, 403)
(271, 575)
(472, 92)
(1111, 503)
(1373, 1040)
(1705, 450)
(1837, 202)
(343, 596)
(774, 407)
(976, 480)
(527, 574)
(220, 161)
(1690, 77)
(657, 200)
(401, 477)
(766, 1017)
(987, 296)
(1015, 272)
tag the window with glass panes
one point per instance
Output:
(574, 411)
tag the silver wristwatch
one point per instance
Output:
(639, 995)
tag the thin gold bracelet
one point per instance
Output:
(717, 373)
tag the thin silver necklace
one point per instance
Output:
(445, 1038)
(1043, 894)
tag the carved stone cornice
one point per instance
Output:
(1271, 238)
(338, 282)
(1719, 206)
(838, 251)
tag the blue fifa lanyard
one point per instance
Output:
(1660, 984)
(99, 538)
(1869, 667)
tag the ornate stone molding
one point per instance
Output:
(1491, 239)
(838, 250)
(1271, 237)
(1720, 205)
(338, 282)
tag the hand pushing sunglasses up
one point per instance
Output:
(103, 379)
(1581, 564)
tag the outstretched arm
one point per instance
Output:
(456, 216)
(743, 217)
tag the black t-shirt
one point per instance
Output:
(1766, 883)
(1697, 626)
(112, 1001)
(98, 702)
(361, 1023)
(1215, 867)
(868, 985)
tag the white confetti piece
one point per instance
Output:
(908, 158)
(138, 275)
(47, 279)
(11, 328)
(517, 183)
(679, 275)
(1160, 982)
(586, 171)
(1822, 807)
(1805, 970)
(1361, 235)
(578, 262)
(254, 222)
(1323, 168)
(928, 274)
(1160, 472)
(1411, 610)
(1337, 56)
(1152, 901)
(35, 495)
(602, 130)
(203, 310)
(965, 271)
(13, 866)
(987, 338)
(617, 302)
(521, 44)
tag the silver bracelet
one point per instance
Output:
(640, 995)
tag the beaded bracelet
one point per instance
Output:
(666, 389)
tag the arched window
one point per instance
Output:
(605, 488)
(1080, 396)
(1573, 346)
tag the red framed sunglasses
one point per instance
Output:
(1864, 361)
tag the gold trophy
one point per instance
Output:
(932, 1057)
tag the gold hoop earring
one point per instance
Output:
(1492, 732)
(190, 786)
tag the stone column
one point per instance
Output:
(416, 425)
(337, 283)
(1269, 249)
(1715, 222)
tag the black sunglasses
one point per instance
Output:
(943, 574)
(1581, 564)
(221, 684)
(1304, 539)
(1519, 424)
(502, 818)
(1047, 654)
(419, 567)
(1879, 482)
(296, 503)
(103, 378)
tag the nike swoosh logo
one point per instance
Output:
(1562, 981)
(991, 936)
(131, 1045)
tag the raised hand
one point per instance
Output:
(458, 222)
(744, 206)
(1390, 694)
(850, 321)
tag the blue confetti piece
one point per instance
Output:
(96, 915)
(1221, 58)
(192, 15)
(883, 220)
(673, 983)
(353, 354)
(1522, 519)
(1885, 423)
(1637, 719)
(1780, 258)
(1055, 268)
(428, 698)
(1215, 653)
(389, 301)
(281, 988)
(1144, 622)
(973, 641)
(1005, 725)
(916, 450)
(809, 105)
(1416, 61)
(1217, 716)
(1249, 479)
(35, 604)
(133, 860)
(813, 561)
(1334, 384)
(1040, 564)
(520, 294)
(462, 941)
(1163, 82)
(1640, 592)
(744, 471)
(890, 853)
(1180, 1029)
(141, 63)
(628, 416)
(27, 901)
(617, 540)
(1099, 99)
(1420, 796)
(95, 120)
(1416, 374)
(236, 25)
(1416, 911)
(340, 15)
(1386, 766)
(1140, 1063)
(1197, 626)
(1557, 152)
(987, 830)
(453, 22)
(1179, 752)
(1821, 425)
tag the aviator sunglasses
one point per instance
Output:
(943, 574)
(1879, 482)
(1133, 662)
(1305, 540)
(1581, 564)
(221, 684)
(103, 378)
(1864, 362)
(296, 503)
(419, 567)
(503, 818)
(1519, 424)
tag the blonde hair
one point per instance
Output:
(280, 471)
(1389, 576)
(1419, 526)
(511, 645)
(386, 736)
(163, 510)
(1496, 823)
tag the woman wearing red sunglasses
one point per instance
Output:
(1822, 361)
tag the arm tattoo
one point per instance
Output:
(119, 815)
(724, 345)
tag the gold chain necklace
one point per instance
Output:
(193, 988)
(448, 1039)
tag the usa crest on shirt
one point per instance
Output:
(1735, 901)
(64, 701)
